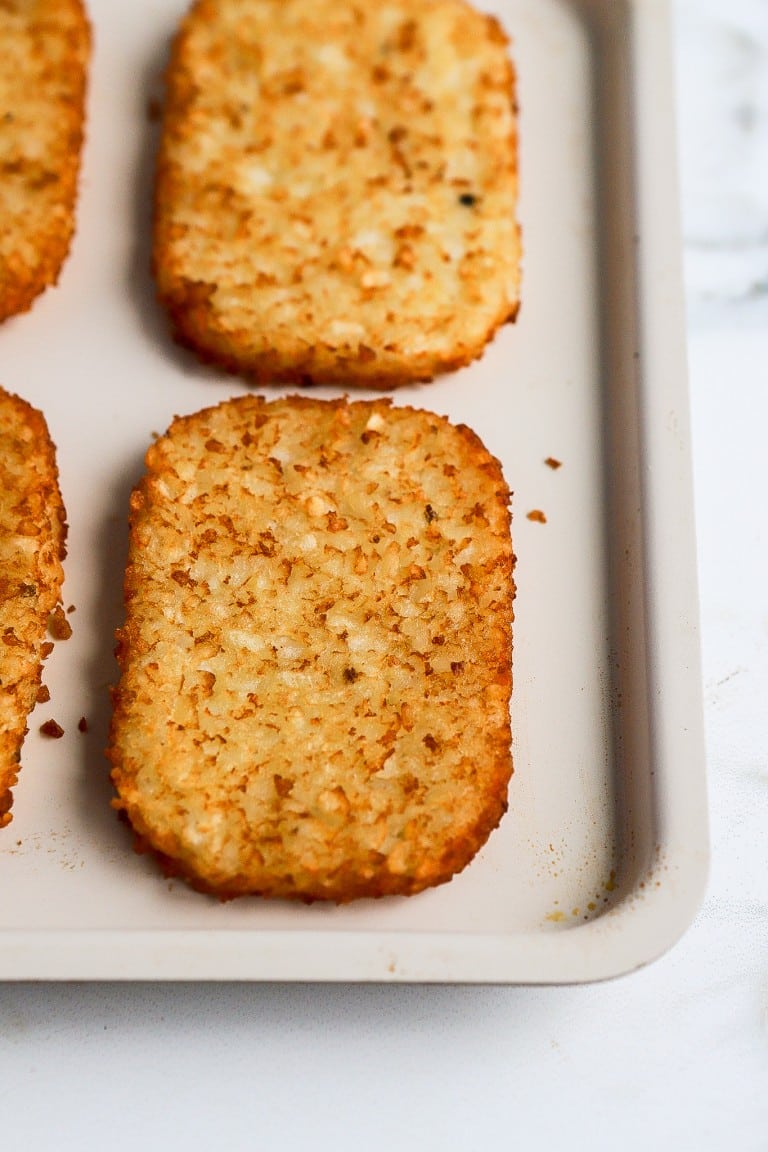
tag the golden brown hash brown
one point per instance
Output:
(336, 188)
(316, 658)
(43, 62)
(32, 535)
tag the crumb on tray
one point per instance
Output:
(52, 729)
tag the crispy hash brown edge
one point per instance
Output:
(194, 322)
(20, 285)
(195, 328)
(51, 528)
(348, 885)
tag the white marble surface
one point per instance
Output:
(723, 121)
(673, 1057)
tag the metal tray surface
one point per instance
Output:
(600, 863)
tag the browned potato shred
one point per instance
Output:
(315, 662)
(32, 535)
(43, 62)
(336, 189)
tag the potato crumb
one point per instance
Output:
(537, 516)
(58, 625)
(52, 729)
(553, 463)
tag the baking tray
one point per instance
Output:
(600, 863)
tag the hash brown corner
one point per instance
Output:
(43, 65)
(336, 188)
(316, 657)
(32, 546)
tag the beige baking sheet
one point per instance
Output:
(600, 862)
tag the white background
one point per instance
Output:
(672, 1057)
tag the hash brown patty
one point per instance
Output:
(32, 536)
(316, 657)
(336, 188)
(43, 64)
